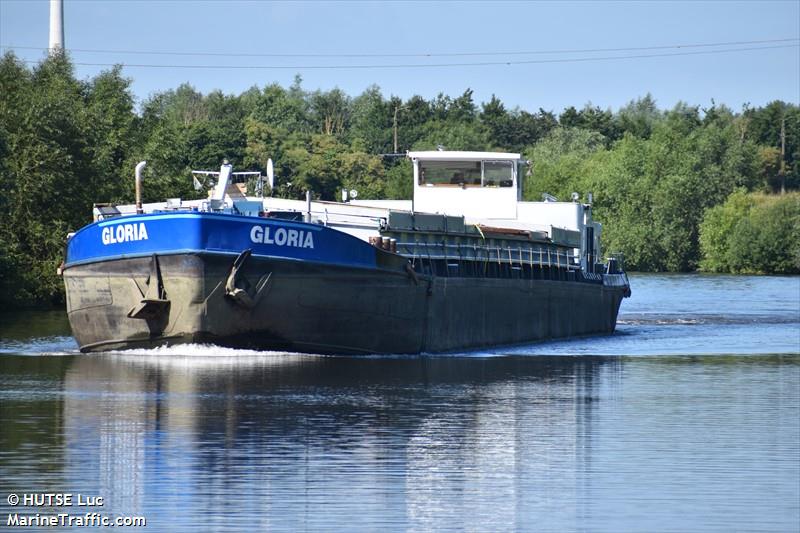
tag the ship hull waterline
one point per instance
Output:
(291, 305)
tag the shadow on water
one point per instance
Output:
(35, 332)
(20, 324)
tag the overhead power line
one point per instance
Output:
(420, 54)
(435, 65)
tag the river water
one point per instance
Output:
(686, 419)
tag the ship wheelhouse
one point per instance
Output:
(472, 184)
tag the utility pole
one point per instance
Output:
(56, 26)
(394, 127)
(782, 171)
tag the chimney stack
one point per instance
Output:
(56, 25)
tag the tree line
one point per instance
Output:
(672, 186)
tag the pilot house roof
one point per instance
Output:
(463, 156)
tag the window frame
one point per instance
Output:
(505, 162)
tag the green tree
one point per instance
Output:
(559, 160)
(497, 122)
(282, 109)
(330, 112)
(717, 227)
(777, 125)
(639, 117)
(768, 240)
(752, 234)
(453, 136)
(371, 121)
(109, 112)
(591, 118)
(463, 108)
(64, 142)
(514, 130)
(411, 120)
(399, 180)
(364, 173)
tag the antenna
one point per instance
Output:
(56, 25)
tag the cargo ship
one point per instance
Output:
(465, 264)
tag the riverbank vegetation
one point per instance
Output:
(752, 234)
(679, 189)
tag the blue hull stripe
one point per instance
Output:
(173, 233)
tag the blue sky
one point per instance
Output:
(330, 33)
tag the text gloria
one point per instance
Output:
(124, 233)
(282, 237)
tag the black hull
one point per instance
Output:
(301, 306)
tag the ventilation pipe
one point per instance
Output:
(222, 184)
(139, 168)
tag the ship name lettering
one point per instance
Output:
(282, 237)
(124, 233)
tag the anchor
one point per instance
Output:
(241, 296)
(154, 302)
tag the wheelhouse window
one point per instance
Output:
(466, 173)
(459, 173)
(498, 174)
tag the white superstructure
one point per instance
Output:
(486, 188)
(483, 188)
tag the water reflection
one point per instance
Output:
(286, 441)
(309, 438)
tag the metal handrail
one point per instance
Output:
(411, 249)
